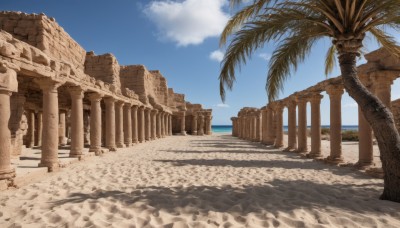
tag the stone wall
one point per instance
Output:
(45, 34)
(103, 67)
(396, 112)
(145, 83)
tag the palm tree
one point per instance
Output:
(295, 25)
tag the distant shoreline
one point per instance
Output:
(228, 128)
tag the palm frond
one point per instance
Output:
(330, 61)
(388, 42)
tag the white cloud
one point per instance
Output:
(351, 105)
(265, 56)
(189, 21)
(217, 55)
(222, 105)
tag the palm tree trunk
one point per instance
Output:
(382, 122)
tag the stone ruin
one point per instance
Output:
(265, 125)
(53, 92)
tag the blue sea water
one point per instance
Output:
(228, 128)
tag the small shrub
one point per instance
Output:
(350, 135)
(325, 131)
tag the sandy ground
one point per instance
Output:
(211, 181)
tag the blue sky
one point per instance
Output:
(180, 38)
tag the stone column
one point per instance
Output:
(183, 123)
(264, 123)
(86, 127)
(258, 127)
(252, 131)
(170, 124)
(62, 128)
(39, 129)
(147, 124)
(315, 101)
(208, 124)
(162, 125)
(383, 81)
(279, 126)
(6, 170)
(141, 124)
(201, 125)
(302, 131)
(49, 157)
(194, 124)
(128, 124)
(134, 122)
(77, 142)
(31, 128)
(110, 123)
(335, 93)
(292, 141)
(158, 124)
(270, 127)
(119, 124)
(365, 138)
(95, 123)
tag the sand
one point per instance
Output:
(210, 181)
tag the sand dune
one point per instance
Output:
(212, 181)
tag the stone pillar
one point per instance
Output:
(208, 124)
(270, 126)
(335, 95)
(49, 157)
(292, 141)
(6, 170)
(279, 126)
(119, 124)
(39, 129)
(194, 124)
(134, 122)
(258, 127)
(252, 131)
(365, 138)
(147, 124)
(95, 123)
(183, 123)
(201, 125)
(315, 101)
(157, 124)
(162, 124)
(77, 142)
(170, 124)
(302, 131)
(382, 82)
(62, 128)
(86, 127)
(264, 127)
(31, 128)
(128, 124)
(141, 124)
(110, 123)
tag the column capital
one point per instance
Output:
(76, 92)
(135, 107)
(119, 103)
(155, 111)
(95, 96)
(48, 85)
(383, 79)
(334, 90)
(128, 105)
(109, 100)
(8, 79)
(315, 98)
(291, 103)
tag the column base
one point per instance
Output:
(7, 174)
(302, 150)
(183, 133)
(363, 164)
(52, 167)
(194, 133)
(120, 145)
(96, 151)
(278, 146)
(334, 160)
(315, 155)
(290, 149)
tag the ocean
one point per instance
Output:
(228, 128)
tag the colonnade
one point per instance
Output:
(270, 121)
(126, 124)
